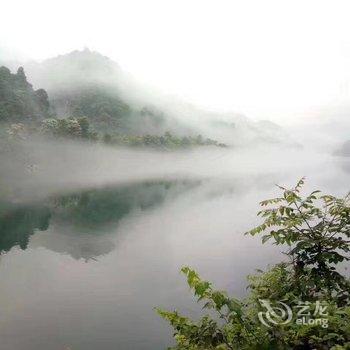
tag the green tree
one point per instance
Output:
(316, 230)
(19, 102)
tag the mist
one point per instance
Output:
(254, 62)
(51, 167)
(140, 137)
(202, 226)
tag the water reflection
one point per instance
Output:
(17, 224)
(79, 246)
(51, 299)
(97, 208)
(80, 222)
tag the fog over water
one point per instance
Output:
(36, 173)
(97, 288)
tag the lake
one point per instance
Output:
(83, 269)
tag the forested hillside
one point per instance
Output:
(96, 115)
(88, 84)
(18, 100)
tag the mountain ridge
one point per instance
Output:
(88, 84)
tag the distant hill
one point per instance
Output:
(228, 127)
(88, 84)
(18, 100)
(82, 83)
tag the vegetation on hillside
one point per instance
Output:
(99, 104)
(88, 84)
(80, 129)
(25, 113)
(18, 100)
(301, 303)
(166, 141)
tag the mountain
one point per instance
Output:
(82, 83)
(18, 100)
(88, 84)
(228, 127)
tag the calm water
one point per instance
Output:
(84, 271)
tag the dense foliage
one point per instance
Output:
(99, 104)
(25, 112)
(88, 84)
(80, 129)
(73, 128)
(18, 100)
(316, 228)
(167, 141)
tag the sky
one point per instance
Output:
(278, 60)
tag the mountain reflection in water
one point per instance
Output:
(77, 224)
(18, 223)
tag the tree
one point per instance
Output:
(69, 127)
(19, 102)
(316, 230)
(49, 127)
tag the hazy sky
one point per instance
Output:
(264, 58)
